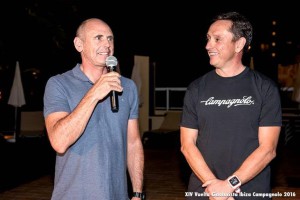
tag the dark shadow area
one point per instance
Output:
(161, 139)
(285, 166)
(24, 161)
(168, 140)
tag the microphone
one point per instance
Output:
(111, 64)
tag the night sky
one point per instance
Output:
(40, 33)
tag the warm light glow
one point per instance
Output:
(274, 22)
(8, 137)
(273, 33)
(264, 47)
(273, 55)
(273, 44)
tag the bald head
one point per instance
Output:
(90, 23)
(94, 41)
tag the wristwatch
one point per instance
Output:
(235, 183)
(140, 195)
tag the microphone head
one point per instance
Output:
(111, 61)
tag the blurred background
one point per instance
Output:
(169, 39)
(39, 34)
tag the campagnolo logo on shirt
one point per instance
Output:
(245, 101)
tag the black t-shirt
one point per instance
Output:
(227, 112)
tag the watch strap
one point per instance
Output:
(140, 195)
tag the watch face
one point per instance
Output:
(234, 181)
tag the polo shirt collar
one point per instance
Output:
(79, 74)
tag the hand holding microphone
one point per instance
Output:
(111, 64)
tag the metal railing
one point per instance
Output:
(169, 98)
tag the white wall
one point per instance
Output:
(141, 67)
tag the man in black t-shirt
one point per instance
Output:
(231, 119)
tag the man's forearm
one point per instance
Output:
(136, 166)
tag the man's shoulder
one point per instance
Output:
(63, 75)
(127, 81)
(262, 78)
(201, 79)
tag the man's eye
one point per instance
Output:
(110, 38)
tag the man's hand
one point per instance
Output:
(218, 189)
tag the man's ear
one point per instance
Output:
(78, 44)
(240, 44)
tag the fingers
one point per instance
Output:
(112, 74)
(113, 81)
(205, 184)
(108, 82)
